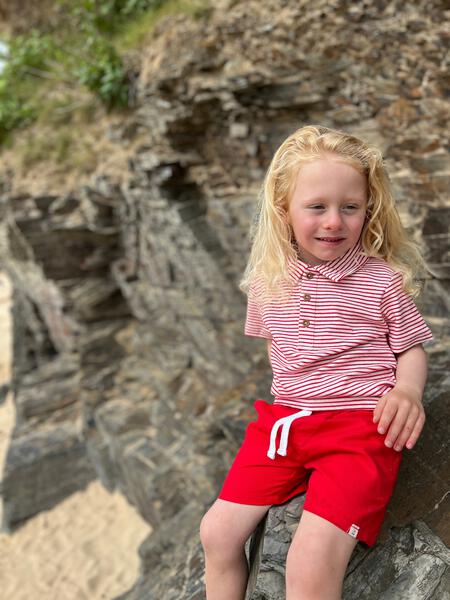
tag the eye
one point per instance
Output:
(316, 206)
(351, 207)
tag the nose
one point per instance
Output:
(333, 220)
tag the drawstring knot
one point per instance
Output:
(285, 423)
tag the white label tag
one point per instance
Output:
(353, 530)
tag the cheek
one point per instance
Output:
(361, 222)
(310, 224)
(304, 228)
(356, 224)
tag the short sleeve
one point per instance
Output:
(405, 324)
(254, 323)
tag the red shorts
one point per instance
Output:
(338, 456)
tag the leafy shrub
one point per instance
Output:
(81, 53)
(91, 61)
(107, 15)
(27, 57)
(101, 71)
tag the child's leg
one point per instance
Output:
(223, 532)
(317, 559)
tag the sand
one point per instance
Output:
(83, 549)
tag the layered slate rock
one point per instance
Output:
(412, 562)
(46, 459)
(175, 559)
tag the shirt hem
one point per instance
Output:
(329, 403)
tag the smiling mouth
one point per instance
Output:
(327, 239)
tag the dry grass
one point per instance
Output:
(74, 136)
(64, 150)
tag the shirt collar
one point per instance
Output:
(336, 269)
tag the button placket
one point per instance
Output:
(307, 310)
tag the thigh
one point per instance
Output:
(230, 523)
(317, 558)
(254, 478)
(323, 539)
(353, 475)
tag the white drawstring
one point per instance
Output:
(286, 423)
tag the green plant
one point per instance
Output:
(12, 114)
(101, 70)
(28, 55)
(27, 58)
(85, 52)
(107, 15)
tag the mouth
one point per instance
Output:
(330, 240)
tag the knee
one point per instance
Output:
(208, 531)
(216, 538)
(304, 585)
(211, 534)
(309, 579)
(300, 578)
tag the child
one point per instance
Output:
(329, 282)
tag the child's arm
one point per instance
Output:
(401, 407)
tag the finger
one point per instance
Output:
(396, 426)
(379, 409)
(416, 431)
(408, 428)
(388, 413)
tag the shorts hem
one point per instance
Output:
(245, 502)
(275, 501)
(369, 541)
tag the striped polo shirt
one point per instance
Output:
(335, 339)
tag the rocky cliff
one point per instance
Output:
(130, 363)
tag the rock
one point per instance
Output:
(412, 564)
(42, 468)
(437, 242)
(4, 390)
(173, 544)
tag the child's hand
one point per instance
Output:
(401, 409)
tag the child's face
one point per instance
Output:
(327, 208)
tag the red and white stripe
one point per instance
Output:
(334, 341)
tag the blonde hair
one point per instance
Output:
(273, 244)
